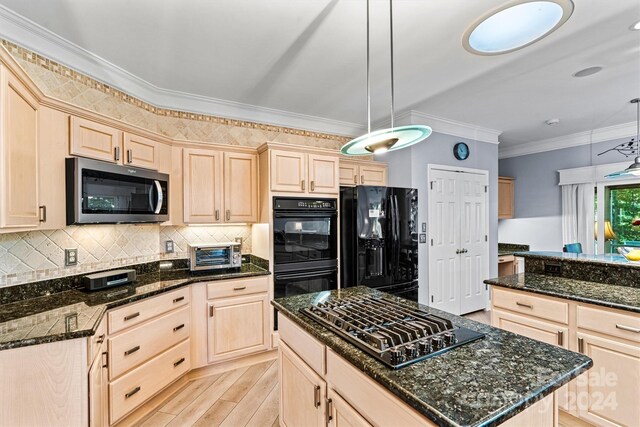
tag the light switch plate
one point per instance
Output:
(71, 257)
(424, 227)
(423, 238)
(168, 246)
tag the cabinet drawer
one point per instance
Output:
(137, 345)
(231, 288)
(506, 258)
(305, 346)
(134, 388)
(523, 302)
(94, 343)
(135, 313)
(609, 322)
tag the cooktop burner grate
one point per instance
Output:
(391, 332)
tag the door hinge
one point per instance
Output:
(486, 238)
(431, 298)
(431, 184)
(431, 242)
(486, 188)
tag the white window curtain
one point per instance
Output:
(578, 215)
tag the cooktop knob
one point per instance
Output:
(424, 347)
(437, 343)
(450, 338)
(411, 351)
(396, 355)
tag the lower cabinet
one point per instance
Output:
(98, 383)
(341, 414)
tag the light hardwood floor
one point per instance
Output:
(481, 316)
(246, 396)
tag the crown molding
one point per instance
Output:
(24, 32)
(445, 126)
(609, 133)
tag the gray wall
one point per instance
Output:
(408, 168)
(538, 197)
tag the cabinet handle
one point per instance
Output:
(228, 214)
(303, 185)
(175, 300)
(560, 337)
(217, 215)
(132, 350)
(179, 362)
(355, 179)
(580, 345)
(105, 357)
(210, 311)
(313, 186)
(100, 339)
(316, 396)
(328, 410)
(239, 288)
(129, 156)
(116, 153)
(521, 304)
(177, 328)
(361, 179)
(628, 328)
(132, 392)
(131, 316)
(43, 213)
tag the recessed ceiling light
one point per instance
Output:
(516, 25)
(587, 72)
(552, 122)
(635, 27)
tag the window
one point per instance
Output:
(622, 217)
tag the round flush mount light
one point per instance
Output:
(516, 25)
(635, 27)
(384, 140)
(552, 122)
(587, 72)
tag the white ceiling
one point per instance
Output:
(308, 57)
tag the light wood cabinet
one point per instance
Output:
(202, 179)
(95, 140)
(304, 173)
(140, 152)
(240, 187)
(98, 388)
(237, 326)
(343, 414)
(323, 174)
(505, 197)
(302, 391)
(536, 329)
(362, 173)
(507, 265)
(19, 196)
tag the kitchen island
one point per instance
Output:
(500, 378)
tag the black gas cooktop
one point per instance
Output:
(394, 333)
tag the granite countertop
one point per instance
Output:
(77, 313)
(505, 249)
(482, 383)
(621, 297)
(618, 260)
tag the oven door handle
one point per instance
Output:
(305, 275)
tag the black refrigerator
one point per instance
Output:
(379, 239)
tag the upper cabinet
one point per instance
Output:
(505, 197)
(219, 187)
(20, 206)
(303, 173)
(102, 142)
(362, 173)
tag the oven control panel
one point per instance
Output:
(304, 204)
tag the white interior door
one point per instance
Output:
(444, 232)
(474, 266)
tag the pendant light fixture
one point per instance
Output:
(634, 169)
(393, 138)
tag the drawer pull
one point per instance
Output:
(302, 185)
(177, 328)
(580, 345)
(210, 311)
(239, 288)
(521, 304)
(132, 350)
(329, 410)
(131, 316)
(313, 186)
(100, 339)
(628, 328)
(132, 392)
(228, 215)
(316, 396)
(179, 362)
(560, 337)
(175, 300)
(217, 215)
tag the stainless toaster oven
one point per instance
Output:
(215, 256)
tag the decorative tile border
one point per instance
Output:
(90, 82)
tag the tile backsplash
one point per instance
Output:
(39, 255)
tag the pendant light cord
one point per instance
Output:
(637, 127)
(368, 78)
(391, 44)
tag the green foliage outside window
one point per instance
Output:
(624, 208)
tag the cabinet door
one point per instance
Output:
(609, 393)
(373, 175)
(349, 174)
(342, 414)
(240, 187)
(19, 154)
(98, 392)
(237, 326)
(95, 140)
(302, 392)
(202, 179)
(288, 171)
(505, 197)
(323, 174)
(140, 152)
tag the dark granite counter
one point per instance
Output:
(616, 259)
(505, 249)
(76, 313)
(482, 383)
(621, 297)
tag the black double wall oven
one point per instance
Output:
(305, 251)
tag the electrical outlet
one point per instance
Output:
(238, 240)
(168, 246)
(424, 227)
(71, 257)
(423, 238)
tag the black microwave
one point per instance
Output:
(98, 192)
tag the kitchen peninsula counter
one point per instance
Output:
(481, 383)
